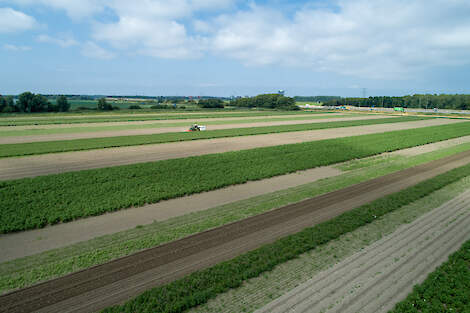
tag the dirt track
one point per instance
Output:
(124, 278)
(161, 130)
(381, 275)
(13, 168)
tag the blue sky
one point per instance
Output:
(234, 47)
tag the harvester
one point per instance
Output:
(196, 128)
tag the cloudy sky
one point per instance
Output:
(235, 47)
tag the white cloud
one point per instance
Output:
(64, 42)
(383, 38)
(11, 47)
(92, 50)
(15, 21)
(76, 9)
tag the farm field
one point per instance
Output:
(31, 166)
(279, 188)
(170, 227)
(251, 237)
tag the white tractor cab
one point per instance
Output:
(196, 128)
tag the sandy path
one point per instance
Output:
(160, 130)
(201, 120)
(117, 281)
(381, 275)
(433, 146)
(17, 245)
(12, 168)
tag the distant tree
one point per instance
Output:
(25, 101)
(211, 103)
(63, 104)
(103, 105)
(39, 103)
(3, 103)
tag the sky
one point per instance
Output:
(234, 47)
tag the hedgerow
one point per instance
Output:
(36, 202)
(203, 285)
(9, 150)
(447, 289)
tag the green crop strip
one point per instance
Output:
(203, 285)
(444, 290)
(10, 150)
(36, 202)
(58, 262)
(129, 118)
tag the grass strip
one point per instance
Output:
(36, 202)
(199, 287)
(58, 262)
(444, 290)
(31, 120)
(10, 150)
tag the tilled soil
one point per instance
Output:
(381, 275)
(119, 280)
(31, 166)
(161, 130)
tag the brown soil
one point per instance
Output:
(17, 245)
(161, 130)
(119, 280)
(13, 168)
(381, 275)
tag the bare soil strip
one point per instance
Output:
(119, 280)
(381, 275)
(161, 130)
(201, 120)
(433, 146)
(17, 245)
(13, 168)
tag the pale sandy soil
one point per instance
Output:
(160, 130)
(433, 146)
(22, 244)
(104, 124)
(381, 275)
(31, 166)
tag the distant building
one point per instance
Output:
(281, 92)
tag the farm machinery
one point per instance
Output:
(196, 128)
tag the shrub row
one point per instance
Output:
(203, 285)
(447, 289)
(36, 202)
(9, 150)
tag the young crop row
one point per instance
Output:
(130, 118)
(447, 289)
(10, 150)
(203, 285)
(36, 202)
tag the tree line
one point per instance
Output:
(443, 101)
(269, 101)
(28, 102)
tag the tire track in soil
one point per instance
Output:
(119, 280)
(381, 275)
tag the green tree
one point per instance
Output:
(63, 104)
(25, 101)
(103, 105)
(3, 103)
(39, 103)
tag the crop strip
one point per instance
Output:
(36, 202)
(444, 290)
(199, 287)
(32, 148)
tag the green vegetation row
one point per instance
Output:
(203, 285)
(9, 150)
(96, 118)
(36, 202)
(26, 271)
(447, 289)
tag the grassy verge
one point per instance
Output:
(35, 202)
(115, 117)
(258, 292)
(201, 286)
(29, 270)
(445, 290)
(9, 150)
(88, 129)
